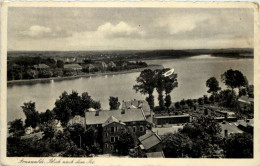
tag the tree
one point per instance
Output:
(125, 142)
(190, 103)
(74, 151)
(76, 132)
(146, 83)
(16, 128)
(69, 105)
(201, 101)
(227, 98)
(32, 116)
(239, 146)
(114, 103)
(213, 85)
(60, 64)
(204, 134)
(46, 116)
(177, 105)
(176, 145)
(234, 79)
(168, 101)
(48, 131)
(183, 102)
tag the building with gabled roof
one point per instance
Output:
(246, 104)
(141, 104)
(41, 66)
(150, 142)
(112, 129)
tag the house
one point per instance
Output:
(171, 119)
(150, 142)
(229, 128)
(101, 65)
(113, 123)
(246, 104)
(246, 125)
(111, 64)
(70, 60)
(88, 67)
(155, 155)
(34, 136)
(75, 67)
(112, 129)
(41, 66)
(133, 104)
(133, 118)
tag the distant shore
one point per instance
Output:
(45, 80)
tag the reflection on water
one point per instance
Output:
(192, 76)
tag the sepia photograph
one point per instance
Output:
(130, 82)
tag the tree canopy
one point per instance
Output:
(114, 103)
(234, 79)
(69, 105)
(213, 85)
(32, 116)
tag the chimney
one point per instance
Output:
(226, 133)
(123, 111)
(97, 113)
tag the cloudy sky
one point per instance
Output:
(128, 28)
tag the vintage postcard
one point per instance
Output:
(129, 83)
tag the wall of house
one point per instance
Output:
(156, 148)
(110, 136)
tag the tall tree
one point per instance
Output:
(114, 103)
(213, 85)
(125, 142)
(234, 79)
(146, 83)
(32, 116)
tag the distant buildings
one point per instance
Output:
(75, 67)
(41, 67)
(246, 104)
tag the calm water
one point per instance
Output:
(192, 75)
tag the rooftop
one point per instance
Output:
(137, 104)
(41, 66)
(149, 140)
(72, 66)
(230, 127)
(110, 120)
(100, 117)
(172, 116)
(246, 99)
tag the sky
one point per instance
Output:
(68, 29)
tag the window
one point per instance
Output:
(116, 129)
(112, 139)
(116, 139)
(106, 145)
(134, 129)
(106, 134)
(111, 147)
(141, 128)
(112, 130)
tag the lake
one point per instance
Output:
(192, 73)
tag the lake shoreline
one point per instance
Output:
(44, 80)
